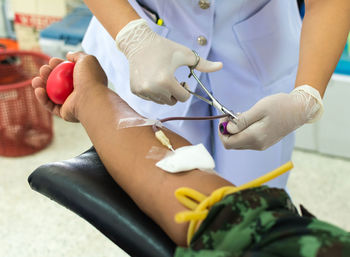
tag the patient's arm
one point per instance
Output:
(123, 151)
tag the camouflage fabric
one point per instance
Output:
(262, 222)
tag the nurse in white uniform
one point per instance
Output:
(258, 53)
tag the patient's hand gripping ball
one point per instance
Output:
(60, 82)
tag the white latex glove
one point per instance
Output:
(272, 118)
(153, 60)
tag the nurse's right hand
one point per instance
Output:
(153, 60)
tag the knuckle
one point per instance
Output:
(160, 78)
(140, 87)
(43, 68)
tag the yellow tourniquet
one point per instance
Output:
(199, 204)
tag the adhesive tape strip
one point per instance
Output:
(158, 153)
(137, 122)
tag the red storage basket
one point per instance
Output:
(25, 126)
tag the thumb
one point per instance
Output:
(75, 56)
(244, 120)
(208, 66)
(203, 64)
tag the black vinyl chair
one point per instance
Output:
(83, 185)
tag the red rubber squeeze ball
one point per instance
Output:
(59, 85)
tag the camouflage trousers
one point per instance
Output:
(263, 222)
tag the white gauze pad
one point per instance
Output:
(187, 158)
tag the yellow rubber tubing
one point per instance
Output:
(199, 204)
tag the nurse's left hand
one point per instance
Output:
(272, 118)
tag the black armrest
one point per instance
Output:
(83, 185)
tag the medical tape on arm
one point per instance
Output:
(137, 122)
(158, 153)
(141, 122)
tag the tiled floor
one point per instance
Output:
(33, 226)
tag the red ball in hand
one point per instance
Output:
(59, 84)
